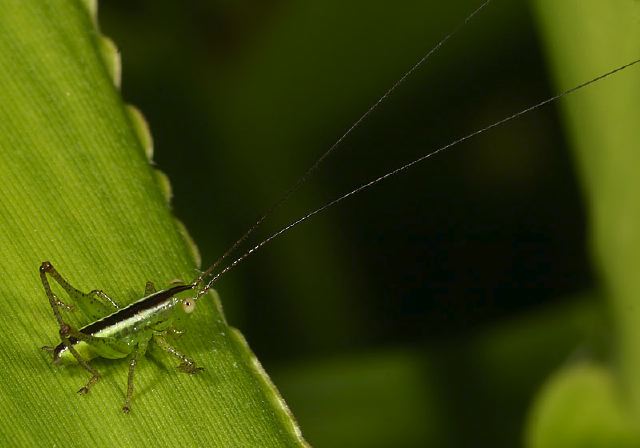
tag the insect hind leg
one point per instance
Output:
(95, 304)
(65, 330)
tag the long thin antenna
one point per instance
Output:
(409, 165)
(311, 170)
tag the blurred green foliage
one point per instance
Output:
(597, 403)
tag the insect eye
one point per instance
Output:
(188, 305)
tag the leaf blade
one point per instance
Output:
(77, 189)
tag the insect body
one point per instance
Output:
(122, 332)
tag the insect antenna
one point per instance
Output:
(408, 165)
(313, 168)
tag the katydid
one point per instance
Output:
(125, 332)
(146, 324)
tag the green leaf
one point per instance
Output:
(77, 189)
(593, 406)
(581, 407)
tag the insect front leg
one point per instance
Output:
(138, 352)
(187, 365)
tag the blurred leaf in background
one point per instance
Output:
(597, 403)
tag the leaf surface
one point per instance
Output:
(77, 189)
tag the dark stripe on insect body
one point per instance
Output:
(143, 304)
(139, 306)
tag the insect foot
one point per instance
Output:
(85, 390)
(190, 368)
(126, 409)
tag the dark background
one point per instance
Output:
(422, 311)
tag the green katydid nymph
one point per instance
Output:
(119, 332)
(146, 325)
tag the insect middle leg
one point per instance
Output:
(138, 352)
(187, 365)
